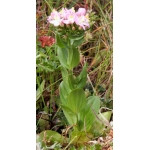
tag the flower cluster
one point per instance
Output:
(46, 40)
(69, 16)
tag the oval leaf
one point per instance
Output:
(94, 102)
(70, 115)
(77, 100)
(63, 56)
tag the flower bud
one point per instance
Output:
(61, 24)
(88, 36)
(80, 28)
(67, 25)
(73, 28)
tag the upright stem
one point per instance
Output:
(70, 71)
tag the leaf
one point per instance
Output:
(78, 42)
(105, 117)
(64, 92)
(49, 135)
(63, 56)
(60, 43)
(40, 90)
(68, 57)
(78, 82)
(88, 117)
(75, 58)
(71, 82)
(81, 79)
(45, 68)
(75, 82)
(72, 148)
(75, 38)
(94, 102)
(100, 124)
(64, 74)
(81, 137)
(87, 114)
(70, 115)
(76, 100)
(41, 55)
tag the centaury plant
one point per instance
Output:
(81, 112)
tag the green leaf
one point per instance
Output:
(48, 137)
(77, 100)
(71, 82)
(70, 115)
(68, 57)
(100, 124)
(72, 148)
(78, 42)
(75, 38)
(81, 79)
(81, 137)
(74, 57)
(105, 117)
(45, 68)
(64, 74)
(94, 102)
(77, 82)
(80, 123)
(41, 55)
(83, 73)
(40, 90)
(63, 56)
(60, 43)
(88, 117)
(64, 92)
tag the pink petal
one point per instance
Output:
(81, 11)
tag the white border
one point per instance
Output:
(18, 75)
(131, 74)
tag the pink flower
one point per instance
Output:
(69, 16)
(81, 11)
(82, 21)
(54, 18)
(63, 13)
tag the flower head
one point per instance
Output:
(69, 16)
(46, 40)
